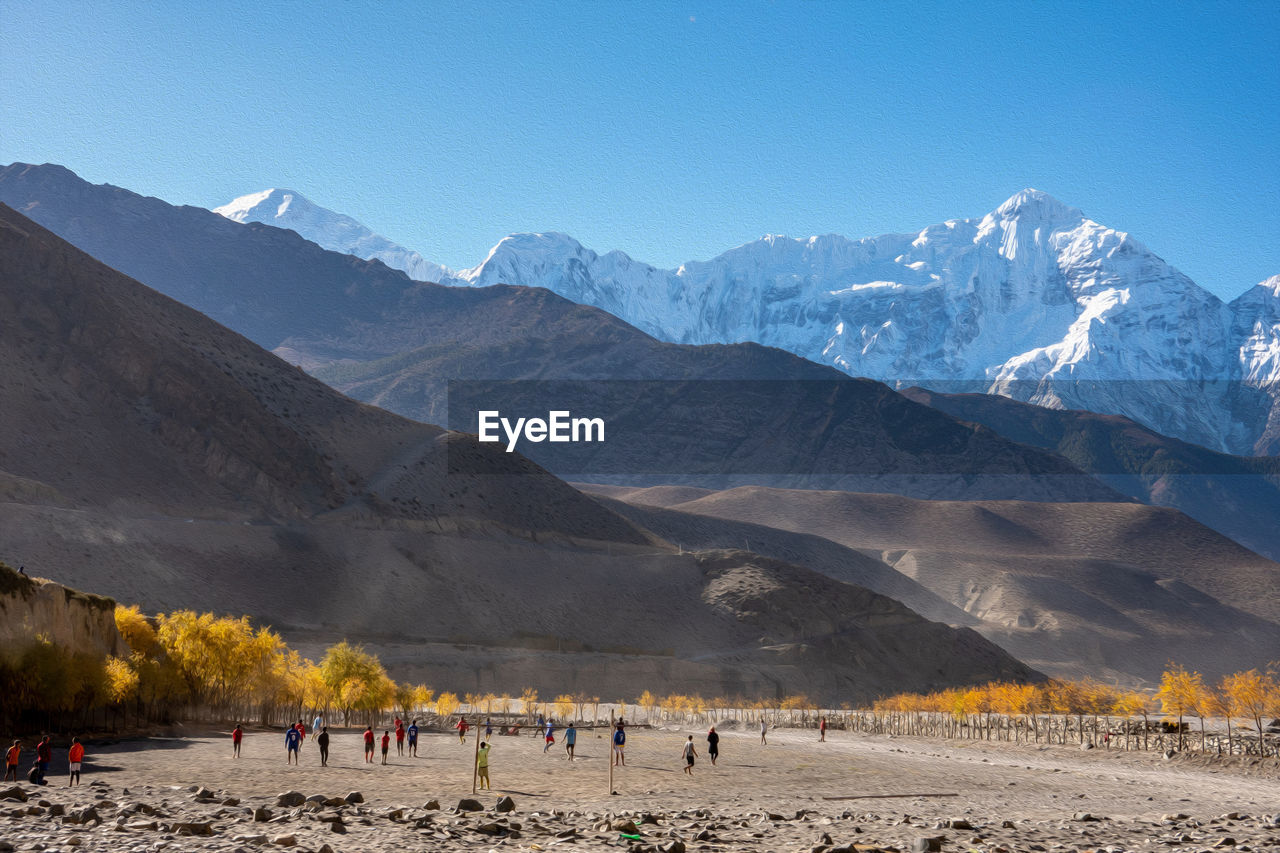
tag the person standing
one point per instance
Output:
(302, 732)
(488, 728)
(413, 739)
(713, 745)
(44, 755)
(317, 724)
(322, 741)
(570, 739)
(482, 765)
(75, 755)
(237, 735)
(292, 740)
(548, 738)
(368, 744)
(764, 728)
(689, 755)
(399, 736)
(11, 759)
(462, 729)
(822, 730)
(619, 744)
(386, 744)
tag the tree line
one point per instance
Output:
(1089, 713)
(189, 665)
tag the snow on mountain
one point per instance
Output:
(1034, 301)
(330, 230)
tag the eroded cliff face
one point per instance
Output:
(31, 608)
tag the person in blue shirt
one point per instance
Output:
(292, 740)
(570, 738)
(619, 744)
(413, 739)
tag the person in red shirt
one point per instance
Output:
(302, 731)
(386, 745)
(399, 736)
(11, 761)
(822, 729)
(75, 755)
(368, 745)
(44, 755)
(237, 735)
(462, 730)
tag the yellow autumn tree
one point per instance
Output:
(446, 705)
(1181, 694)
(1252, 694)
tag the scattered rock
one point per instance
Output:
(627, 826)
(927, 845)
(285, 840)
(261, 815)
(250, 839)
(432, 805)
(959, 823)
(335, 802)
(14, 793)
(466, 804)
(1226, 842)
(505, 804)
(491, 828)
(1084, 816)
(290, 799)
(676, 846)
(88, 814)
(57, 810)
(192, 828)
(354, 797)
(1008, 824)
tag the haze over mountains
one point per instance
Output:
(150, 454)
(1083, 590)
(1033, 301)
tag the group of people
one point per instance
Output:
(402, 731)
(296, 734)
(44, 757)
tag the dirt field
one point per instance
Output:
(772, 797)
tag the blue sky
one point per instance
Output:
(672, 131)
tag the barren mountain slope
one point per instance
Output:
(1071, 588)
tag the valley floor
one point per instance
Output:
(775, 797)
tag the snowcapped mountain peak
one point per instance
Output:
(1032, 205)
(285, 208)
(524, 256)
(254, 207)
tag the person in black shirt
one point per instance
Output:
(322, 740)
